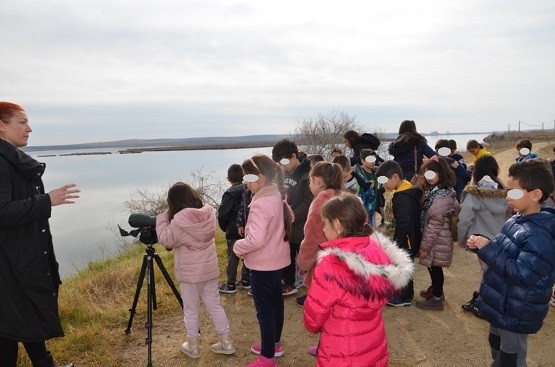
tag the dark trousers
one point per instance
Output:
(436, 273)
(8, 352)
(268, 300)
(233, 263)
(289, 272)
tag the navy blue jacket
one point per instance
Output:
(402, 151)
(227, 212)
(517, 285)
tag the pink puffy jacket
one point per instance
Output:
(191, 236)
(353, 280)
(263, 247)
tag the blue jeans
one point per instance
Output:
(268, 300)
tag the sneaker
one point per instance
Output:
(299, 301)
(191, 348)
(552, 301)
(470, 305)
(476, 312)
(224, 345)
(262, 361)
(397, 302)
(288, 290)
(257, 348)
(434, 303)
(244, 284)
(228, 288)
(313, 350)
(249, 292)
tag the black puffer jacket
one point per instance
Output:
(29, 277)
(402, 150)
(229, 207)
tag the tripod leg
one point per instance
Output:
(168, 279)
(150, 303)
(153, 285)
(133, 308)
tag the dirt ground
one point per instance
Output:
(416, 337)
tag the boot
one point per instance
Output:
(469, 306)
(191, 347)
(434, 303)
(224, 345)
(48, 361)
(427, 294)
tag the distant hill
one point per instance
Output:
(247, 140)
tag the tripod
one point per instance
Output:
(147, 269)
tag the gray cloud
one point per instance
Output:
(98, 70)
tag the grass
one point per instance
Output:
(94, 305)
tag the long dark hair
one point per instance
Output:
(487, 165)
(408, 129)
(352, 137)
(181, 196)
(348, 209)
(447, 177)
(261, 164)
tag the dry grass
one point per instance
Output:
(94, 306)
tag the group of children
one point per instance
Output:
(285, 213)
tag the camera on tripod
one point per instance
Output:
(145, 228)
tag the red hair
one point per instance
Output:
(7, 110)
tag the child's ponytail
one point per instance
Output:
(287, 220)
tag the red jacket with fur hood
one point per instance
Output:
(353, 280)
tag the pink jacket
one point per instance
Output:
(191, 235)
(313, 235)
(353, 280)
(263, 247)
(437, 239)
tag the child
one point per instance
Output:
(484, 210)
(516, 286)
(352, 181)
(366, 170)
(524, 149)
(461, 174)
(188, 227)
(286, 153)
(227, 220)
(477, 150)
(356, 273)
(315, 158)
(436, 247)
(406, 214)
(265, 250)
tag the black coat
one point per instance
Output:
(406, 212)
(229, 207)
(29, 277)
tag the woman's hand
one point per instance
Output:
(64, 195)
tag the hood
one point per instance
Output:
(354, 265)
(544, 219)
(197, 223)
(413, 192)
(22, 162)
(303, 168)
(494, 200)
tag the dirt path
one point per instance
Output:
(416, 337)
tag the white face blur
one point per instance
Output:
(16, 130)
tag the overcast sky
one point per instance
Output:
(116, 69)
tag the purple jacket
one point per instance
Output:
(191, 235)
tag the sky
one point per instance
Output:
(103, 70)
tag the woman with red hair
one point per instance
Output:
(29, 278)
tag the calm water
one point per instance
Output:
(85, 231)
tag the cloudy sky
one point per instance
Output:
(116, 69)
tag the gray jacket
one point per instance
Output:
(483, 211)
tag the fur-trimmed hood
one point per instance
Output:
(370, 267)
(485, 193)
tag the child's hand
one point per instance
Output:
(477, 242)
(423, 254)
(241, 231)
(462, 244)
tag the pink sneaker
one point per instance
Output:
(313, 350)
(262, 361)
(257, 348)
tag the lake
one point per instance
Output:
(87, 230)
